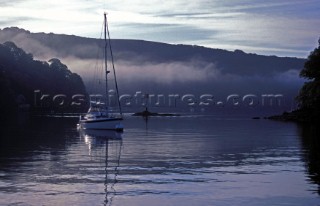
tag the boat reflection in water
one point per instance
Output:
(105, 146)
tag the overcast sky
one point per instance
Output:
(271, 27)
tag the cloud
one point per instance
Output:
(284, 28)
(6, 3)
(165, 32)
(268, 28)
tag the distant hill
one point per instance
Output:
(160, 68)
(32, 85)
(140, 51)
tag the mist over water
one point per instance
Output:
(155, 68)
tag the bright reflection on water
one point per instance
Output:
(196, 160)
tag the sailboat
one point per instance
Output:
(98, 115)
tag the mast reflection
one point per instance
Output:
(108, 145)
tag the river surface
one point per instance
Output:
(187, 160)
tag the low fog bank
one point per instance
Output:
(192, 78)
(218, 73)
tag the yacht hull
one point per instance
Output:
(102, 123)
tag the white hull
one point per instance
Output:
(102, 123)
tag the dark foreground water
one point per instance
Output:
(195, 160)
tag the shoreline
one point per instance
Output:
(299, 116)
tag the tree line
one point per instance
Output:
(309, 96)
(27, 84)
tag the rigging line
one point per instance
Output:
(114, 71)
(97, 68)
(105, 58)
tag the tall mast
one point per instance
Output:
(105, 58)
(114, 71)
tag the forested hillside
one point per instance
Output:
(31, 85)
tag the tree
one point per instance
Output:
(309, 96)
(311, 69)
(21, 76)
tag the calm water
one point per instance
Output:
(195, 160)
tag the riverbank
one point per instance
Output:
(303, 116)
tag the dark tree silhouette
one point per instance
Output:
(21, 76)
(309, 96)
